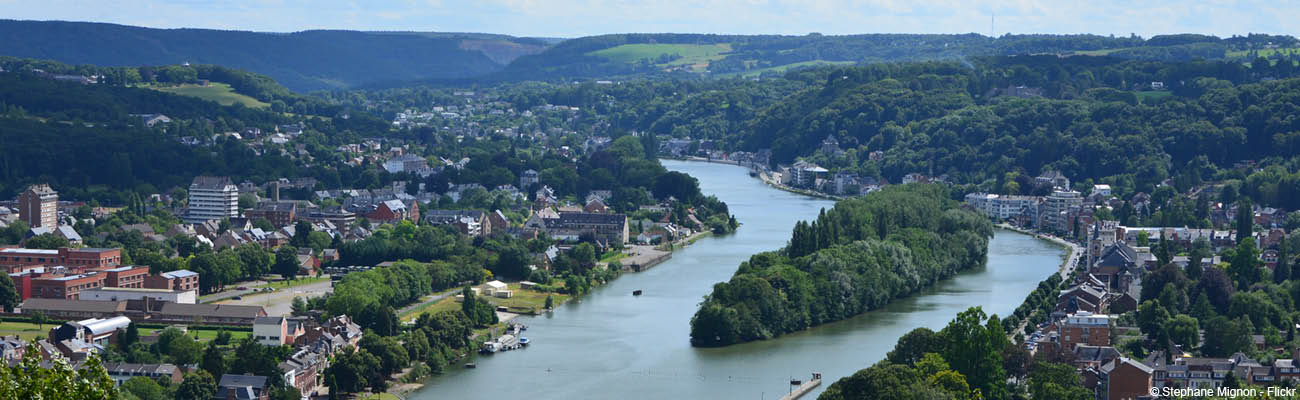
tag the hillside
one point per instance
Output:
(302, 61)
(730, 55)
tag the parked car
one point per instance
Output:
(238, 297)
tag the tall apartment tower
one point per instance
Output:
(211, 198)
(39, 206)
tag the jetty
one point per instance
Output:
(803, 387)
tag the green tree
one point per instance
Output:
(286, 262)
(1185, 330)
(29, 379)
(550, 302)
(130, 337)
(214, 360)
(971, 350)
(1223, 336)
(1244, 264)
(1245, 219)
(9, 297)
(1048, 380)
(184, 350)
(47, 241)
(145, 388)
(197, 386)
(301, 234)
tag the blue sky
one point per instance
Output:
(572, 18)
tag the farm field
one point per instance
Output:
(214, 91)
(695, 55)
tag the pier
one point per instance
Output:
(804, 388)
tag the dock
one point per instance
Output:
(804, 387)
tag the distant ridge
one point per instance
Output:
(302, 61)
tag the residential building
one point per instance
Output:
(611, 228)
(121, 372)
(82, 259)
(804, 174)
(1056, 210)
(1054, 178)
(64, 287)
(126, 277)
(469, 222)
(276, 330)
(279, 213)
(242, 387)
(39, 206)
(1125, 379)
(181, 279)
(1085, 328)
(212, 198)
(527, 179)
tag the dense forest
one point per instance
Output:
(1095, 119)
(860, 255)
(303, 61)
(578, 58)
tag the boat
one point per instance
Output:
(471, 365)
(523, 341)
(636, 292)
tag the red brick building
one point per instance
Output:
(64, 287)
(182, 279)
(85, 259)
(279, 213)
(126, 277)
(1126, 379)
(1085, 328)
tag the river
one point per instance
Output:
(611, 345)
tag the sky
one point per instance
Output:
(575, 18)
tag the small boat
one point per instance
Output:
(795, 382)
(523, 341)
(471, 365)
(636, 292)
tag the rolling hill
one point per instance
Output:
(302, 61)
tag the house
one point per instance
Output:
(71, 235)
(393, 211)
(95, 330)
(1053, 178)
(1125, 379)
(302, 368)
(571, 226)
(121, 372)
(277, 330)
(469, 222)
(242, 387)
(181, 279)
(499, 220)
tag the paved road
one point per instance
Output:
(280, 302)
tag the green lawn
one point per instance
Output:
(696, 55)
(613, 256)
(526, 300)
(214, 91)
(285, 284)
(447, 304)
(203, 335)
(25, 330)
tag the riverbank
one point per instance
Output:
(767, 178)
(1072, 256)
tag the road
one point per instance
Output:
(1069, 265)
(232, 292)
(280, 302)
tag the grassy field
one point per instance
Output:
(25, 330)
(1147, 97)
(1264, 52)
(614, 256)
(524, 301)
(203, 335)
(285, 284)
(214, 91)
(695, 55)
(782, 68)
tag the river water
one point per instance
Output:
(611, 345)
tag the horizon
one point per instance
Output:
(578, 18)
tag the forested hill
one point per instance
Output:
(860, 255)
(729, 55)
(301, 61)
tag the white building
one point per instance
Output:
(490, 288)
(1056, 208)
(1003, 207)
(1102, 190)
(212, 198)
(117, 294)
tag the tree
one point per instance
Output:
(1223, 336)
(1184, 330)
(9, 297)
(197, 386)
(970, 349)
(130, 337)
(353, 370)
(1152, 319)
(247, 201)
(39, 318)
(299, 307)
(318, 240)
(286, 262)
(1245, 219)
(301, 234)
(48, 241)
(145, 388)
(550, 302)
(1244, 264)
(214, 360)
(1049, 380)
(29, 379)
